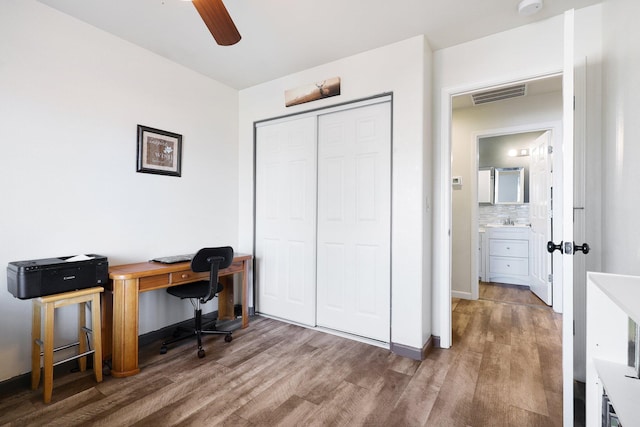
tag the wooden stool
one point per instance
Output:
(50, 303)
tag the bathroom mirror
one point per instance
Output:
(509, 185)
(507, 152)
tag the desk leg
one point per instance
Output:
(124, 353)
(225, 298)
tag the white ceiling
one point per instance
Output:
(280, 37)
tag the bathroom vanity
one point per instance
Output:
(507, 259)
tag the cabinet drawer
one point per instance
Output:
(186, 276)
(505, 248)
(503, 265)
(153, 282)
(515, 233)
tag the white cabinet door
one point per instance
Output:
(354, 221)
(563, 263)
(485, 186)
(286, 220)
(539, 210)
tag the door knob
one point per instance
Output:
(584, 248)
(551, 247)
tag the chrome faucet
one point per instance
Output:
(508, 221)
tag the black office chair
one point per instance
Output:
(207, 259)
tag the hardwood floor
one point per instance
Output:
(503, 292)
(504, 369)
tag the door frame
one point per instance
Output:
(556, 140)
(443, 217)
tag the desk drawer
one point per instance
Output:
(235, 267)
(153, 282)
(186, 276)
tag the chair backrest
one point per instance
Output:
(212, 260)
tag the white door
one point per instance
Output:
(564, 262)
(286, 219)
(354, 221)
(540, 214)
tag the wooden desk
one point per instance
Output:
(120, 303)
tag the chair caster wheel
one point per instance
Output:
(228, 338)
(163, 349)
(201, 353)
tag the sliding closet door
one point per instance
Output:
(286, 220)
(354, 221)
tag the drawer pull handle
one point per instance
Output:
(185, 275)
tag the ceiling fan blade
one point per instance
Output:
(218, 21)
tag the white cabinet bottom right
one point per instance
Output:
(612, 300)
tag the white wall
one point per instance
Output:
(399, 68)
(621, 150)
(428, 160)
(70, 99)
(467, 124)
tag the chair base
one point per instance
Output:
(197, 333)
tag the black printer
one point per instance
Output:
(40, 277)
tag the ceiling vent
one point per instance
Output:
(499, 94)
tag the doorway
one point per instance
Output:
(524, 154)
(537, 109)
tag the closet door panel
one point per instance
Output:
(286, 220)
(354, 217)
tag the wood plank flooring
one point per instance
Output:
(504, 369)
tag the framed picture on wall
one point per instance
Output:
(159, 151)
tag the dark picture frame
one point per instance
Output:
(159, 152)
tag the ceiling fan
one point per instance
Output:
(218, 21)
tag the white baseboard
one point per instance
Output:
(461, 295)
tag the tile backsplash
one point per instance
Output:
(493, 214)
